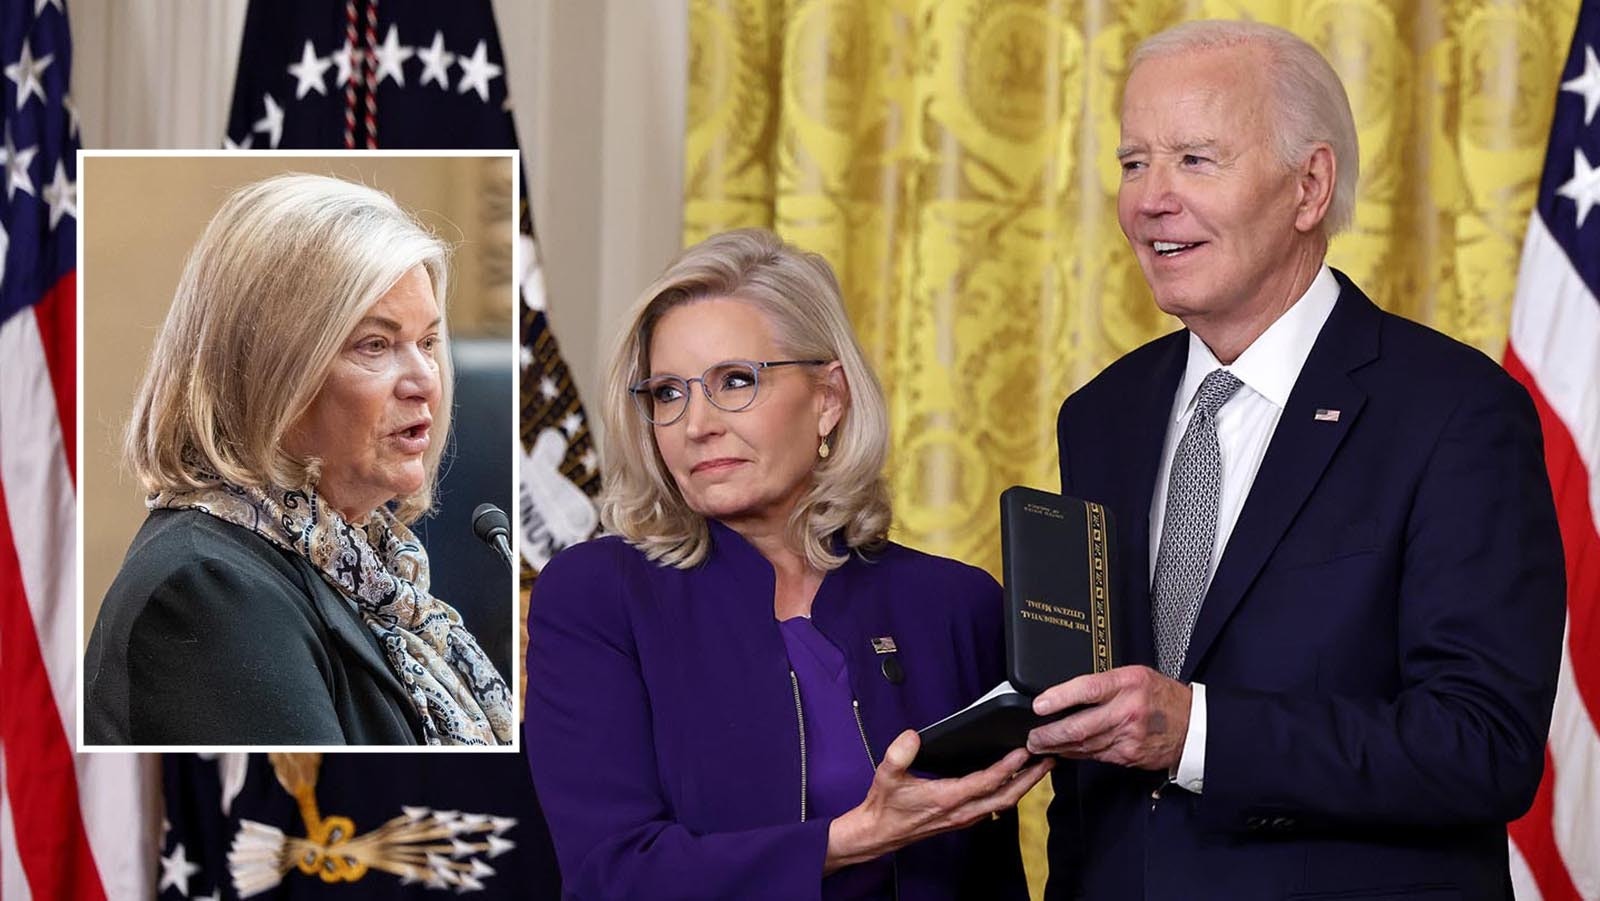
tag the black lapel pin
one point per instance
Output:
(884, 647)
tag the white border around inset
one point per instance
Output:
(517, 650)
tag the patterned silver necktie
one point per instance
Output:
(1189, 526)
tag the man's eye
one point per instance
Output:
(1132, 165)
(1190, 159)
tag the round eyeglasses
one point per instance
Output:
(730, 386)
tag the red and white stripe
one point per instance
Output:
(370, 118)
(68, 823)
(1555, 352)
(352, 41)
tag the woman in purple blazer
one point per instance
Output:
(721, 692)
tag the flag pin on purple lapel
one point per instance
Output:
(883, 645)
(1326, 416)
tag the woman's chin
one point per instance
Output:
(714, 500)
(733, 512)
(409, 476)
(721, 511)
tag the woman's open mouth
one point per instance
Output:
(413, 439)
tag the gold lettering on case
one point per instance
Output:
(1065, 617)
(1043, 510)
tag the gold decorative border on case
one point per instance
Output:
(1099, 598)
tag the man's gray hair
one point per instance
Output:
(1310, 100)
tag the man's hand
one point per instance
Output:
(1138, 718)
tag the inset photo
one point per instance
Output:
(297, 445)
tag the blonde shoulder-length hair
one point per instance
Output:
(282, 274)
(800, 298)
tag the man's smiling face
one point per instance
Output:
(1206, 202)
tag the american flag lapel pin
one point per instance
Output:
(1326, 415)
(883, 645)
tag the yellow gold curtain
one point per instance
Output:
(953, 160)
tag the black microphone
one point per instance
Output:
(489, 523)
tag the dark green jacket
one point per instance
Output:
(211, 635)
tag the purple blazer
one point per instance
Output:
(662, 731)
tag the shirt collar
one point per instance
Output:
(1272, 363)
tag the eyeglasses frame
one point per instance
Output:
(638, 389)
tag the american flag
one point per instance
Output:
(1555, 352)
(363, 74)
(57, 837)
(400, 74)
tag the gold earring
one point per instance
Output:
(823, 450)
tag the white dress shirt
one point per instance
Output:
(1268, 368)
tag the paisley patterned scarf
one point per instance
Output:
(383, 570)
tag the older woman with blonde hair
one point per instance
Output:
(720, 693)
(288, 429)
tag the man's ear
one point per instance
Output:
(1315, 180)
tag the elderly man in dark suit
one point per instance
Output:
(1341, 596)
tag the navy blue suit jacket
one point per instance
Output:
(1379, 643)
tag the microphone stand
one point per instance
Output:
(492, 527)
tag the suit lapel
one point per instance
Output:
(347, 628)
(1302, 445)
